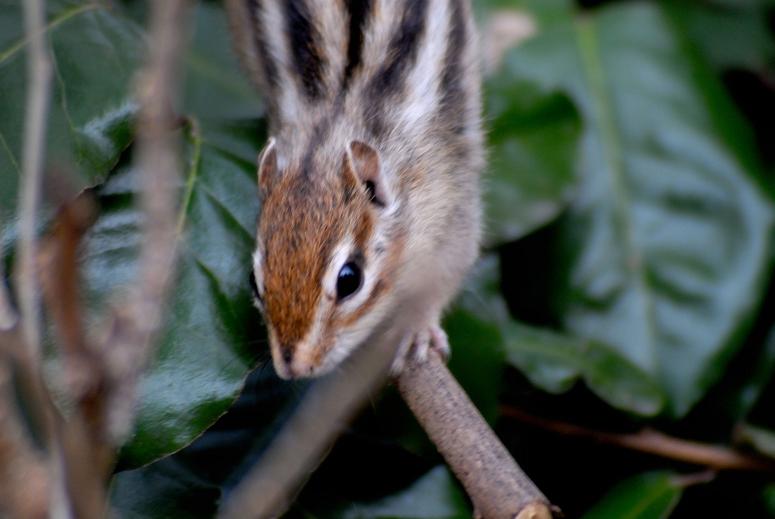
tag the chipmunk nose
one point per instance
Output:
(287, 357)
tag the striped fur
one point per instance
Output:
(402, 77)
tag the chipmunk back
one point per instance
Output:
(370, 180)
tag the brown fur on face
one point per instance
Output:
(304, 216)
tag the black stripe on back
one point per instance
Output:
(304, 42)
(402, 52)
(359, 13)
(269, 67)
(452, 95)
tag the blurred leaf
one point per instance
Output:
(554, 362)
(728, 34)
(475, 338)
(666, 246)
(215, 86)
(434, 496)
(550, 360)
(206, 350)
(533, 138)
(94, 54)
(648, 496)
(758, 378)
(769, 498)
(166, 489)
(763, 440)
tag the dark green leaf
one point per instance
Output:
(434, 496)
(554, 362)
(215, 86)
(735, 34)
(534, 136)
(648, 496)
(95, 54)
(550, 360)
(212, 329)
(763, 440)
(667, 244)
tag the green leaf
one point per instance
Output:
(166, 489)
(434, 496)
(215, 86)
(554, 362)
(648, 496)
(533, 138)
(729, 35)
(551, 360)
(761, 439)
(206, 349)
(473, 327)
(768, 496)
(666, 247)
(94, 55)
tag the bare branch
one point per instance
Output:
(496, 485)
(134, 326)
(23, 477)
(39, 84)
(652, 442)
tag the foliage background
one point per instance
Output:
(626, 279)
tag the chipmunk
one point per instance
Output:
(369, 183)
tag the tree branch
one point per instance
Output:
(652, 442)
(496, 485)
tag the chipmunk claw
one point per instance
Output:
(417, 347)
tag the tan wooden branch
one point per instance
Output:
(497, 486)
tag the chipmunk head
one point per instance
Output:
(322, 266)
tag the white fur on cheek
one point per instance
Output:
(258, 269)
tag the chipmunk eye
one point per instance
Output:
(254, 287)
(348, 281)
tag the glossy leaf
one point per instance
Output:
(648, 496)
(666, 245)
(212, 329)
(549, 359)
(434, 496)
(94, 55)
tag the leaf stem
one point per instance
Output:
(653, 442)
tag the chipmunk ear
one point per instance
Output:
(363, 161)
(267, 166)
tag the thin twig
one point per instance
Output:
(654, 442)
(23, 473)
(133, 327)
(85, 374)
(39, 84)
